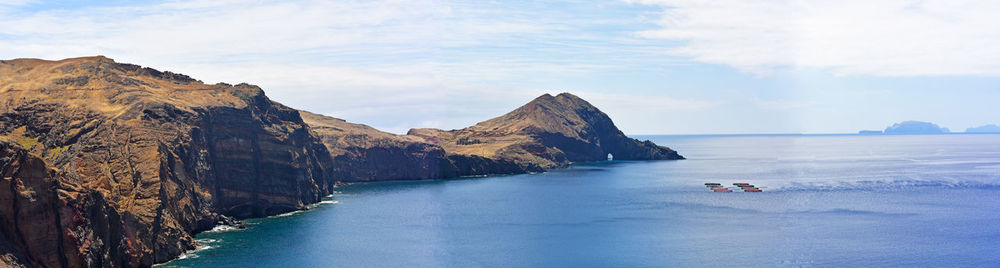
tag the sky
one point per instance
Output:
(654, 66)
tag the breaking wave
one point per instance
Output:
(222, 228)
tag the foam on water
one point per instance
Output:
(222, 228)
(286, 214)
(203, 244)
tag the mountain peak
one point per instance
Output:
(563, 99)
(564, 113)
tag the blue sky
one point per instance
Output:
(655, 66)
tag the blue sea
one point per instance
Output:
(827, 201)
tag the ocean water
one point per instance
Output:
(827, 201)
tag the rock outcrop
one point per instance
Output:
(159, 156)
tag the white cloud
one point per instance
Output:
(15, 2)
(213, 31)
(850, 37)
(392, 64)
(784, 104)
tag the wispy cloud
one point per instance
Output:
(445, 63)
(385, 62)
(15, 2)
(852, 37)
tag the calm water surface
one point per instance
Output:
(836, 201)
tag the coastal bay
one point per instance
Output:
(830, 200)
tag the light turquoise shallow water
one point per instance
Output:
(840, 201)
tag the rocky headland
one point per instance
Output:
(108, 164)
(548, 132)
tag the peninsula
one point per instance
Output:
(109, 164)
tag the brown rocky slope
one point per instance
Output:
(548, 132)
(116, 165)
(162, 155)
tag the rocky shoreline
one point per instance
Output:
(118, 165)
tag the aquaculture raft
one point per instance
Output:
(717, 187)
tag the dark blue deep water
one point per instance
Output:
(833, 201)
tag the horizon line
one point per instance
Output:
(810, 134)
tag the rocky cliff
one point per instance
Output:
(160, 155)
(48, 221)
(108, 164)
(363, 153)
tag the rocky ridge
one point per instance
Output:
(548, 132)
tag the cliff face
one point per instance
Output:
(363, 153)
(47, 222)
(548, 132)
(158, 155)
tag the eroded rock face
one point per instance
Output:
(49, 223)
(158, 156)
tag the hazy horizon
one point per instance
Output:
(654, 66)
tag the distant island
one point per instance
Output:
(919, 127)
(915, 127)
(991, 128)
(908, 128)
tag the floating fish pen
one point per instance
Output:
(746, 187)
